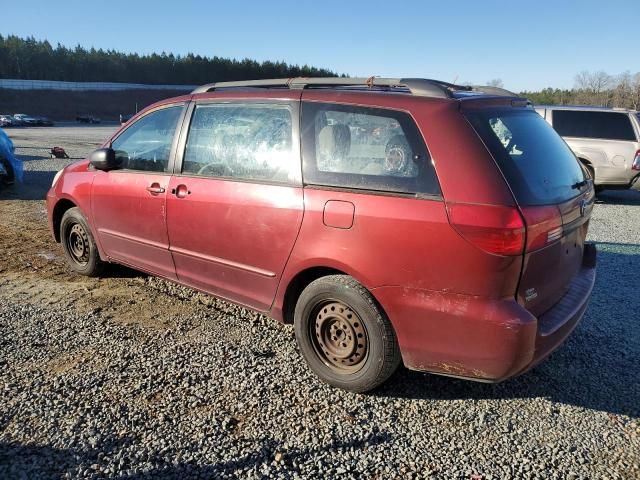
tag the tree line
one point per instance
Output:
(31, 59)
(593, 88)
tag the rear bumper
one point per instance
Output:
(555, 325)
(482, 339)
(623, 182)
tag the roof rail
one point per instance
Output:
(417, 86)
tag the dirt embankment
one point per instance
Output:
(66, 105)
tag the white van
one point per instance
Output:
(605, 140)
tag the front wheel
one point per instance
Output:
(79, 246)
(344, 336)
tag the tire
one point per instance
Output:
(80, 248)
(597, 188)
(344, 336)
(591, 172)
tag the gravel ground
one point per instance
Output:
(133, 377)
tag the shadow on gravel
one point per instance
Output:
(31, 158)
(35, 186)
(114, 270)
(596, 368)
(34, 461)
(619, 197)
(264, 454)
(44, 462)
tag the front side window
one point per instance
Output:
(365, 148)
(588, 124)
(242, 141)
(146, 144)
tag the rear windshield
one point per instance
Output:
(539, 166)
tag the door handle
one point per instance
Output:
(155, 188)
(181, 191)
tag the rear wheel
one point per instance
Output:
(344, 336)
(592, 174)
(79, 246)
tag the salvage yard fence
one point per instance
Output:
(85, 86)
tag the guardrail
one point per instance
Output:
(84, 86)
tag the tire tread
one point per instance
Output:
(391, 357)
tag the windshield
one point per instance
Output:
(539, 166)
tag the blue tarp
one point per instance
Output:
(6, 151)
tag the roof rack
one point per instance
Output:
(416, 86)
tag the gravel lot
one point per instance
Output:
(133, 377)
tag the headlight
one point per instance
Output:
(55, 179)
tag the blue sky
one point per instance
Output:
(529, 45)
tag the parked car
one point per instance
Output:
(26, 120)
(448, 234)
(43, 121)
(11, 168)
(6, 121)
(16, 122)
(87, 119)
(606, 141)
(125, 118)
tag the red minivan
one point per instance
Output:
(388, 219)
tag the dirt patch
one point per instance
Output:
(68, 361)
(33, 270)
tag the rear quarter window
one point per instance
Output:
(365, 148)
(588, 124)
(538, 165)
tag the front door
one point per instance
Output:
(234, 210)
(129, 204)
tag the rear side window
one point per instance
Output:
(365, 148)
(538, 165)
(585, 124)
(242, 141)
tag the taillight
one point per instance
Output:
(494, 229)
(544, 226)
(636, 161)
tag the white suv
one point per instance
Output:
(605, 140)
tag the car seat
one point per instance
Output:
(334, 144)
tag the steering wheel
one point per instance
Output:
(216, 169)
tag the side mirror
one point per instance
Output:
(104, 159)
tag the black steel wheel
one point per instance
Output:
(344, 335)
(79, 246)
(77, 241)
(339, 336)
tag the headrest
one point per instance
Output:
(334, 141)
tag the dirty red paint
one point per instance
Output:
(456, 309)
